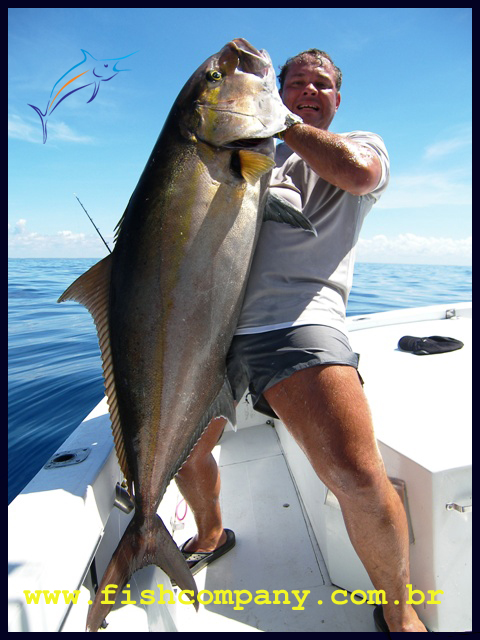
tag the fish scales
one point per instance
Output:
(167, 300)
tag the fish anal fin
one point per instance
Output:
(92, 290)
(222, 407)
(254, 165)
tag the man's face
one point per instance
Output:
(309, 91)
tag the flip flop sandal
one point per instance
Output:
(197, 560)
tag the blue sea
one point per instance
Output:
(54, 366)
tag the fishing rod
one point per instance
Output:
(97, 229)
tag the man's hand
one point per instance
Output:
(290, 120)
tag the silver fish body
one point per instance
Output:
(167, 300)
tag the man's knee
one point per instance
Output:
(365, 481)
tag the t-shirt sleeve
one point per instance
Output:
(376, 144)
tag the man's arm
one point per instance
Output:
(338, 160)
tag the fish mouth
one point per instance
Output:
(247, 58)
(249, 143)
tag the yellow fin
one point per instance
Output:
(92, 290)
(253, 165)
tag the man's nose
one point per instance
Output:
(310, 89)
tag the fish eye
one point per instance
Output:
(105, 65)
(213, 76)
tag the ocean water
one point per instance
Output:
(54, 366)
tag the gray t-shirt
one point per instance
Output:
(297, 278)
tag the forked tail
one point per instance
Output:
(44, 122)
(143, 543)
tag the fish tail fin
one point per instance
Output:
(44, 123)
(136, 550)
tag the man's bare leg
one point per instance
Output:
(199, 483)
(325, 409)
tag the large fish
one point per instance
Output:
(167, 300)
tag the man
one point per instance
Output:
(291, 346)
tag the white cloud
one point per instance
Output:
(21, 130)
(410, 248)
(461, 140)
(27, 130)
(426, 189)
(61, 131)
(403, 248)
(20, 226)
(23, 243)
(429, 184)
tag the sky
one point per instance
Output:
(406, 77)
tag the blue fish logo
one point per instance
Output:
(96, 71)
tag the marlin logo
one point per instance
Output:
(86, 73)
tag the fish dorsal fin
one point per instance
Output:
(92, 290)
(253, 165)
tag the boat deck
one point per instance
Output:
(421, 407)
(275, 550)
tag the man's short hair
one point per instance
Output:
(320, 56)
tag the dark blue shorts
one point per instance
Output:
(257, 361)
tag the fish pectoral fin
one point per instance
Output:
(279, 210)
(254, 165)
(92, 289)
